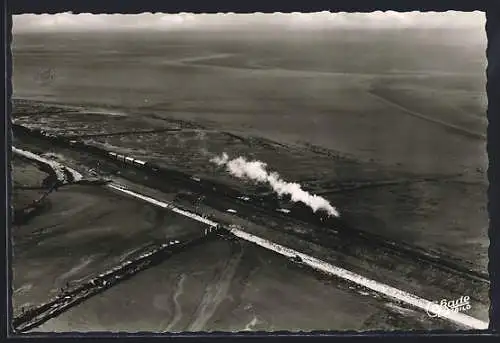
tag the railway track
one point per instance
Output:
(35, 317)
(154, 176)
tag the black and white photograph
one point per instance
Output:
(260, 172)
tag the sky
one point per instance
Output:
(188, 21)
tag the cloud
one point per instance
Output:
(190, 21)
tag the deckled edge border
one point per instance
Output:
(493, 148)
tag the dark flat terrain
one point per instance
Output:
(314, 106)
(318, 88)
(421, 209)
(27, 174)
(222, 285)
(27, 180)
(235, 286)
(84, 231)
(437, 215)
(394, 138)
(361, 256)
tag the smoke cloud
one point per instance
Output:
(256, 171)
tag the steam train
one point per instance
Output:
(128, 160)
(297, 210)
(269, 200)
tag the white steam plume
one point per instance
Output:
(256, 171)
